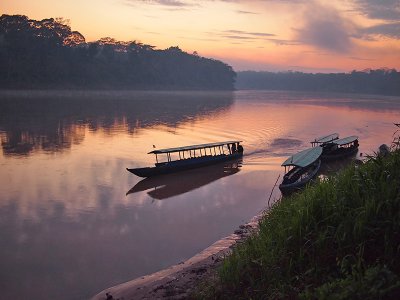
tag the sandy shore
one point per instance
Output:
(178, 281)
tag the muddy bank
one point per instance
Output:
(178, 281)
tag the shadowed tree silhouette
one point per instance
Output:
(47, 54)
(382, 81)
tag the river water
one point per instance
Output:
(73, 221)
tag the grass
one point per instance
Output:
(339, 239)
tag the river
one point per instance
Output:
(73, 221)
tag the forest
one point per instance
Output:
(381, 81)
(47, 54)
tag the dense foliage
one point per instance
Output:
(337, 240)
(381, 81)
(47, 54)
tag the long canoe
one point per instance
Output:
(190, 157)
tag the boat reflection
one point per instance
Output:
(170, 185)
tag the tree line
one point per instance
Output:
(381, 81)
(48, 54)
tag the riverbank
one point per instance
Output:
(339, 239)
(181, 280)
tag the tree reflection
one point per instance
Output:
(53, 121)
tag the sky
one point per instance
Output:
(262, 35)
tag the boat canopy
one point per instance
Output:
(346, 140)
(193, 147)
(326, 138)
(304, 158)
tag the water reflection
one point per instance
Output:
(166, 186)
(67, 228)
(61, 256)
(52, 121)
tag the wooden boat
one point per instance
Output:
(166, 186)
(190, 157)
(340, 148)
(324, 139)
(300, 169)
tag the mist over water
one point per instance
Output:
(73, 221)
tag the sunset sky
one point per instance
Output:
(271, 35)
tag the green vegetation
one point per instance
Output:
(47, 54)
(339, 239)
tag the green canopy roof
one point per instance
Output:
(326, 138)
(304, 158)
(346, 140)
(192, 147)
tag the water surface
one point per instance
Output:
(73, 221)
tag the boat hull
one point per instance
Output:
(339, 154)
(182, 165)
(289, 186)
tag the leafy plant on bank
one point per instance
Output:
(338, 239)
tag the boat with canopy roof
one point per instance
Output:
(169, 185)
(190, 157)
(300, 169)
(340, 148)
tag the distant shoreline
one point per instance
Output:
(4, 91)
(380, 82)
(143, 89)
